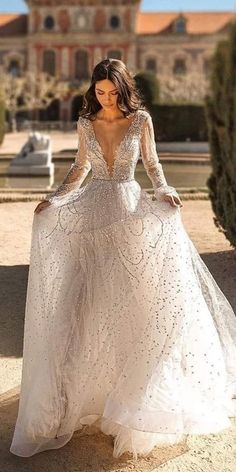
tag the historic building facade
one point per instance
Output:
(67, 38)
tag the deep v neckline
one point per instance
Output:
(117, 148)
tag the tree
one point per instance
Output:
(148, 87)
(30, 92)
(221, 121)
(2, 118)
(183, 89)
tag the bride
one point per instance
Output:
(125, 327)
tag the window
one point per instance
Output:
(180, 25)
(81, 65)
(14, 68)
(114, 21)
(114, 54)
(49, 62)
(49, 22)
(179, 67)
(151, 65)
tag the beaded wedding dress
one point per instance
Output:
(125, 327)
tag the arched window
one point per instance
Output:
(81, 65)
(49, 22)
(179, 67)
(14, 68)
(114, 21)
(180, 25)
(49, 62)
(151, 65)
(114, 54)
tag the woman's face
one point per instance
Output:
(106, 94)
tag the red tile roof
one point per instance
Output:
(196, 22)
(13, 24)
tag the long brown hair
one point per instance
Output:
(128, 100)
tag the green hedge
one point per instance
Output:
(148, 87)
(179, 122)
(221, 115)
(2, 121)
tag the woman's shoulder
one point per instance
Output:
(143, 116)
(143, 112)
(82, 122)
(82, 119)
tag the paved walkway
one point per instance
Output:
(93, 453)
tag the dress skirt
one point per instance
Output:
(125, 327)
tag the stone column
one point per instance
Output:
(131, 56)
(97, 55)
(32, 59)
(65, 68)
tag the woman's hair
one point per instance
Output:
(128, 97)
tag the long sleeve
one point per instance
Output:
(151, 160)
(78, 170)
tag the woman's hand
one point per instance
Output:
(41, 206)
(173, 200)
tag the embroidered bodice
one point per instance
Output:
(138, 139)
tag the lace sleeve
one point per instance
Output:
(151, 161)
(78, 170)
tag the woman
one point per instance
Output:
(125, 327)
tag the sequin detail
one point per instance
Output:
(125, 327)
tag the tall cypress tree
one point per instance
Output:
(221, 120)
(2, 118)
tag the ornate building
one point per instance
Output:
(67, 38)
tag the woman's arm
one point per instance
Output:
(78, 170)
(152, 165)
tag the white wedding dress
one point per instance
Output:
(125, 327)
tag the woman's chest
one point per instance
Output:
(110, 136)
(117, 159)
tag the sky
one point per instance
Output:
(147, 5)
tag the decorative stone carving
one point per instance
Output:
(82, 22)
(35, 157)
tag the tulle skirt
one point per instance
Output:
(125, 327)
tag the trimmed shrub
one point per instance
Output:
(221, 121)
(179, 122)
(148, 87)
(2, 120)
